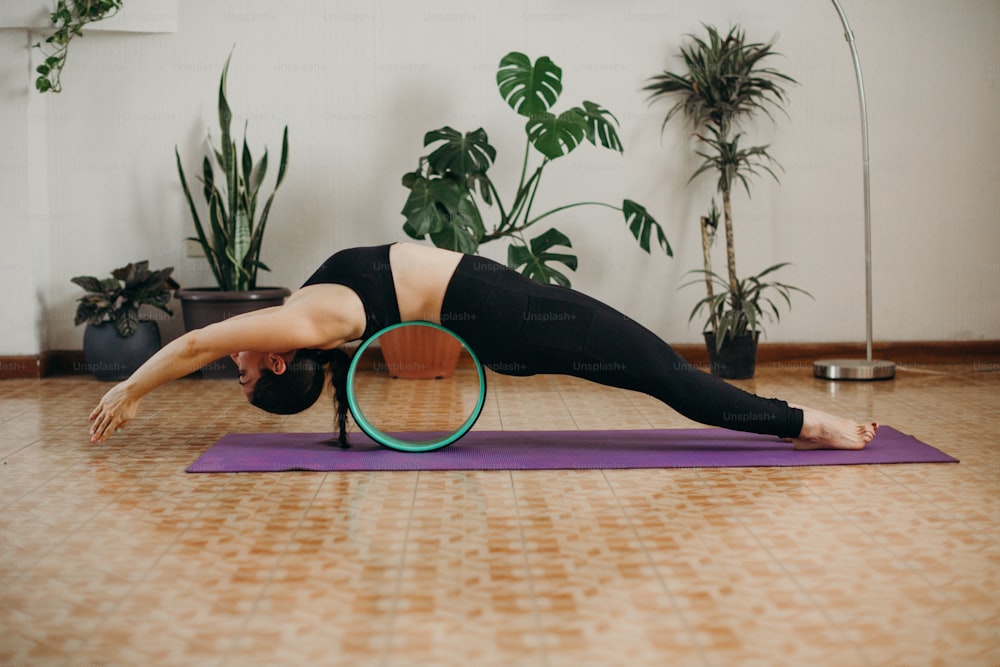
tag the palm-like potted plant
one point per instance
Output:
(450, 182)
(233, 231)
(726, 83)
(117, 340)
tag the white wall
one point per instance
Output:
(89, 181)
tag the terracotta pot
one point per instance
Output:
(737, 359)
(420, 353)
(207, 305)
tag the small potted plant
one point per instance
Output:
(725, 83)
(233, 233)
(117, 340)
(737, 316)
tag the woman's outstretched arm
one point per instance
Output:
(278, 330)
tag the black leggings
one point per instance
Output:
(519, 327)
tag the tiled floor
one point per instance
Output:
(112, 555)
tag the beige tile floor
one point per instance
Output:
(112, 555)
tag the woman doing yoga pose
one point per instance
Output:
(514, 325)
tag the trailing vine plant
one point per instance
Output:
(69, 18)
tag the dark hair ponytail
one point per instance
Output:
(302, 383)
(338, 364)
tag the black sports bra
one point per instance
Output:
(366, 271)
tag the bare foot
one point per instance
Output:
(825, 431)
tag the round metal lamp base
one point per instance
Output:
(854, 369)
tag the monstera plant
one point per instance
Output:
(452, 182)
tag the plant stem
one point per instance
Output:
(534, 190)
(522, 197)
(516, 230)
(524, 166)
(563, 208)
(730, 250)
(515, 209)
(496, 198)
(707, 260)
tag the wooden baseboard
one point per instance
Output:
(984, 353)
(912, 353)
(21, 367)
(53, 362)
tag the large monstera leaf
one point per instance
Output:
(642, 225)
(601, 126)
(465, 230)
(533, 259)
(529, 89)
(466, 154)
(555, 136)
(443, 209)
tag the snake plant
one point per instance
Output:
(232, 238)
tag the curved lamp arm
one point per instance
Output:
(849, 35)
(845, 368)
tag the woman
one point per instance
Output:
(514, 325)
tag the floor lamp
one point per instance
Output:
(867, 368)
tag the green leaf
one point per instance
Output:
(426, 208)
(89, 283)
(555, 136)
(642, 225)
(225, 119)
(241, 246)
(443, 208)
(467, 155)
(127, 321)
(257, 174)
(258, 233)
(201, 238)
(124, 274)
(111, 287)
(601, 126)
(283, 162)
(247, 163)
(207, 178)
(529, 89)
(534, 259)
(463, 230)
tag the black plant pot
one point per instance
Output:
(207, 305)
(736, 360)
(113, 357)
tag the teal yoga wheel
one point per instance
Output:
(371, 414)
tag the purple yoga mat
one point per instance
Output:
(552, 450)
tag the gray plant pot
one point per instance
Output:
(113, 357)
(207, 305)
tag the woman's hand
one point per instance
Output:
(113, 413)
